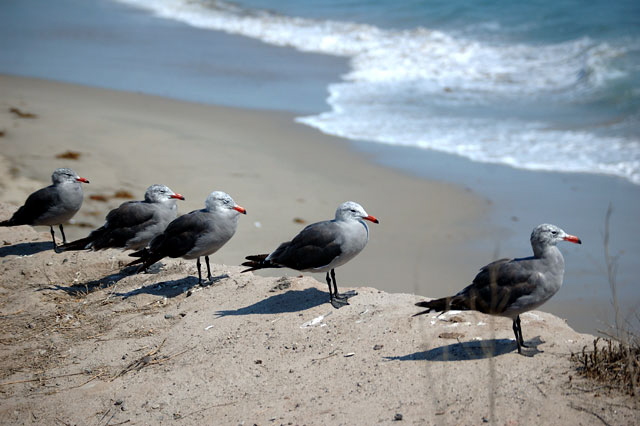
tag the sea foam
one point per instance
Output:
(434, 90)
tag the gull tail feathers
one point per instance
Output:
(80, 244)
(258, 261)
(436, 305)
(145, 257)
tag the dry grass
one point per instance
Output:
(616, 362)
(41, 340)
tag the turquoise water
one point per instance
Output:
(546, 85)
(541, 85)
(103, 43)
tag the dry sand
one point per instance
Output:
(85, 341)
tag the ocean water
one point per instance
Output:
(539, 85)
(107, 44)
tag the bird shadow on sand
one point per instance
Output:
(466, 351)
(290, 301)
(173, 288)
(25, 249)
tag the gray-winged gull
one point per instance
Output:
(322, 247)
(509, 287)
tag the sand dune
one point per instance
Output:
(85, 341)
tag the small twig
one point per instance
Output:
(44, 272)
(204, 409)
(578, 408)
(11, 314)
(593, 389)
(333, 353)
(540, 390)
(610, 336)
(94, 336)
(111, 292)
(40, 379)
(611, 262)
(142, 362)
(105, 415)
(91, 379)
(613, 404)
(158, 361)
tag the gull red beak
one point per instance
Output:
(83, 180)
(240, 209)
(177, 196)
(371, 218)
(572, 239)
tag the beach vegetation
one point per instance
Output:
(614, 360)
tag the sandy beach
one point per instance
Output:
(283, 173)
(433, 235)
(462, 127)
(85, 341)
(108, 44)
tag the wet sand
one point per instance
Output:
(285, 174)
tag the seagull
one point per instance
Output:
(322, 247)
(133, 224)
(195, 234)
(509, 287)
(52, 205)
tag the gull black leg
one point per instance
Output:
(344, 296)
(337, 301)
(335, 287)
(53, 237)
(64, 238)
(520, 333)
(199, 271)
(209, 277)
(328, 278)
(517, 329)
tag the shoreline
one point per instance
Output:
(460, 225)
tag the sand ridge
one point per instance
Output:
(86, 341)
